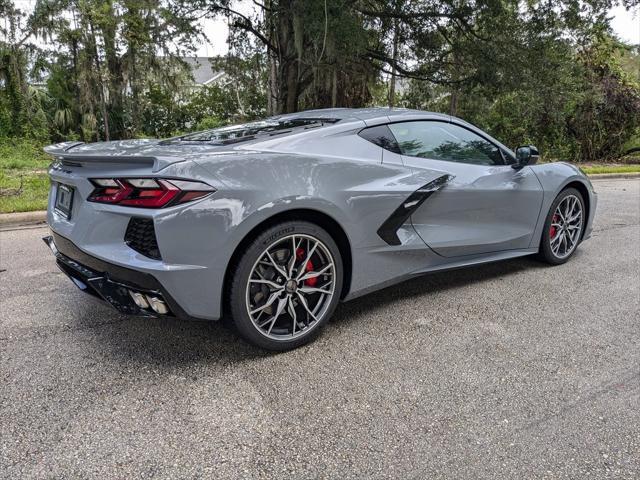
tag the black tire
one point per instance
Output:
(546, 253)
(239, 292)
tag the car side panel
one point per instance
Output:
(483, 209)
(358, 195)
(554, 177)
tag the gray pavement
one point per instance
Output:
(510, 370)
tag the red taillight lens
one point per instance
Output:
(147, 192)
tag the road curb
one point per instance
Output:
(12, 220)
(605, 176)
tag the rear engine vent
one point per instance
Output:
(141, 236)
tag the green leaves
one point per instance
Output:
(547, 73)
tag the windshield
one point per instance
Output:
(247, 131)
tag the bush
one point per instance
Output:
(208, 123)
(22, 154)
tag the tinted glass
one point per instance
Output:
(444, 141)
(381, 136)
(247, 131)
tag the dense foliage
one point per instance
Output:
(548, 73)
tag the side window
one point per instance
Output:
(381, 135)
(445, 141)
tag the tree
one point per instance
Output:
(607, 114)
(105, 54)
(314, 50)
(543, 72)
(527, 75)
(22, 107)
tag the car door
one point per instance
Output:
(487, 206)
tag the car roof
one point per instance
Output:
(361, 113)
(382, 115)
(287, 124)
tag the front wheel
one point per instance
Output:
(286, 285)
(563, 227)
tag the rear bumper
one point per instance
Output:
(109, 282)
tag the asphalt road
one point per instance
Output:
(511, 370)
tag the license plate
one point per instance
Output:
(64, 200)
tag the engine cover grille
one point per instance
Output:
(141, 236)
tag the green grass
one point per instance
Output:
(22, 155)
(23, 161)
(32, 196)
(595, 169)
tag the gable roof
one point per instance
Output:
(202, 70)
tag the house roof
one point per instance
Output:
(203, 72)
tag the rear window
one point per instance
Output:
(251, 130)
(381, 135)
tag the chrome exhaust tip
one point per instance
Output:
(157, 305)
(146, 301)
(139, 299)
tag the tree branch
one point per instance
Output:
(406, 16)
(246, 24)
(413, 74)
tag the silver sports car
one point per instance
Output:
(272, 223)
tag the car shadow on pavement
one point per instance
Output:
(433, 283)
(176, 342)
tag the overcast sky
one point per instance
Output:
(625, 24)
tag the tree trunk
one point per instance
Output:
(288, 61)
(103, 104)
(272, 100)
(453, 103)
(135, 89)
(334, 88)
(114, 74)
(394, 56)
(272, 60)
(291, 103)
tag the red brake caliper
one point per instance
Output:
(552, 230)
(311, 282)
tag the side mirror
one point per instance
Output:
(526, 155)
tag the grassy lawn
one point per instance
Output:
(32, 196)
(595, 169)
(22, 155)
(24, 184)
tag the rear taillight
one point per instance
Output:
(147, 192)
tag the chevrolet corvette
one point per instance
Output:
(272, 223)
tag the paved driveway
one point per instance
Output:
(511, 370)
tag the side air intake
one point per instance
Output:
(388, 231)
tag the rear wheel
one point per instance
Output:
(286, 285)
(563, 227)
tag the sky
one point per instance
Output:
(626, 24)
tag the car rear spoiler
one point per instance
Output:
(65, 154)
(61, 148)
